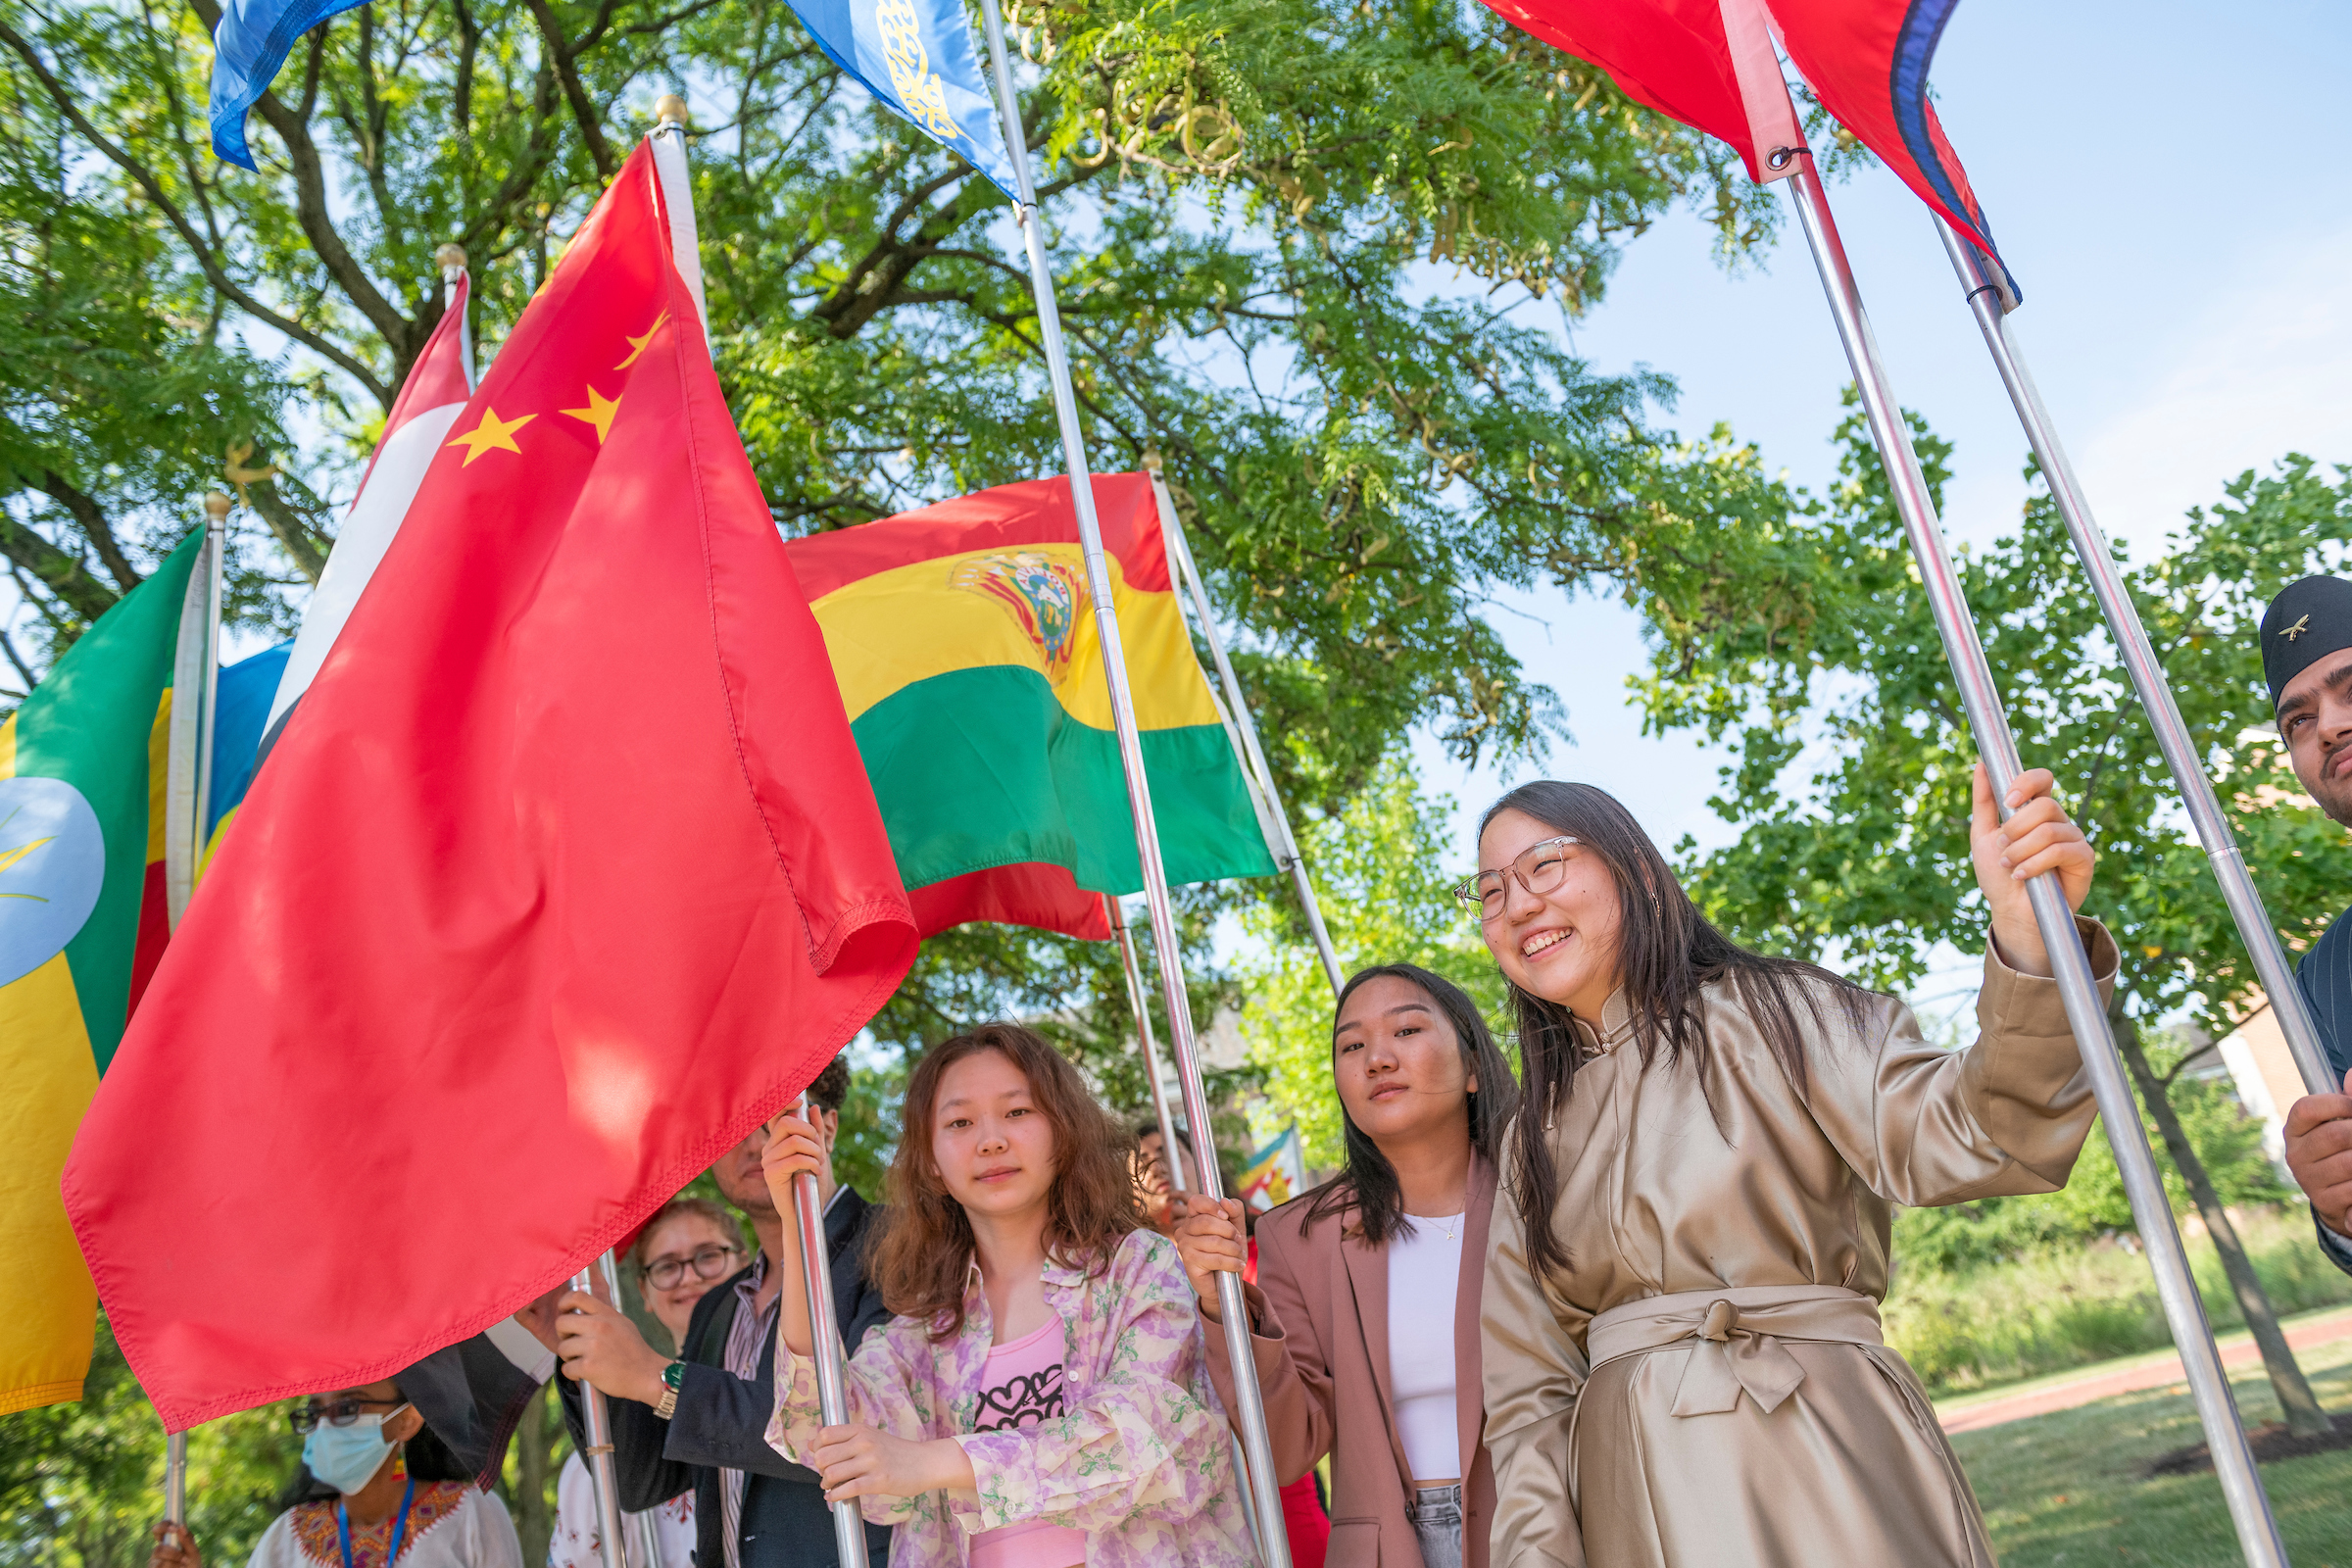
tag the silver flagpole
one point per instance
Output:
(1254, 760)
(188, 794)
(597, 1420)
(824, 1343)
(1257, 1443)
(669, 138)
(1151, 1047)
(2183, 1310)
(1992, 305)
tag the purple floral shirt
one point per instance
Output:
(1141, 1459)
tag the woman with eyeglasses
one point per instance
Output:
(1684, 1362)
(376, 1487)
(685, 1252)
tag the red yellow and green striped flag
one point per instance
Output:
(83, 765)
(963, 639)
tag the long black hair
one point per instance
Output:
(1667, 952)
(1367, 1183)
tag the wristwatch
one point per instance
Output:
(672, 1376)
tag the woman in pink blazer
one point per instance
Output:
(1364, 1319)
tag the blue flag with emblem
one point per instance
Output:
(915, 56)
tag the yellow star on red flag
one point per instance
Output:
(637, 344)
(598, 412)
(493, 434)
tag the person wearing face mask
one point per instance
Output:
(374, 1486)
(684, 1252)
(1683, 1359)
(1364, 1313)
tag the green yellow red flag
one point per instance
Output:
(964, 643)
(82, 771)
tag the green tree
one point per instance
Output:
(1867, 854)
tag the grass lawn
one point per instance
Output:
(2064, 1487)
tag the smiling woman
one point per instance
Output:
(1041, 1399)
(1683, 1356)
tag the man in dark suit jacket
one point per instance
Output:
(751, 1507)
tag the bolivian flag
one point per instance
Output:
(963, 639)
(82, 769)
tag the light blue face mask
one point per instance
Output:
(348, 1458)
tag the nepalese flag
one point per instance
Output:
(415, 431)
(1710, 63)
(964, 638)
(915, 56)
(84, 769)
(1867, 62)
(565, 879)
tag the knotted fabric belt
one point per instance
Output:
(1738, 1332)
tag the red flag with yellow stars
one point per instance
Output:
(569, 877)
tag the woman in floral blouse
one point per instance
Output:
(1041, 1399)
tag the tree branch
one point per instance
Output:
(92, 518)
(291, 530)
(58, 572)
(206, 258)
(561, 52)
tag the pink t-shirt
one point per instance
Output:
(1020, 1388)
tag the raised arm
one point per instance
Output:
(1294, 1369)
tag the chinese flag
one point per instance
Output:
(563, 877)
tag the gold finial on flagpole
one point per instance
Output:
(671, 109)
(217, 505)
(450, 258)
(1151, 458)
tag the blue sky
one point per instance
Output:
(2169, 185)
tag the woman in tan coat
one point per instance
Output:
(1364, 1320)
(1683, 1357)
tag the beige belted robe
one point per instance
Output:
(1704, 1383)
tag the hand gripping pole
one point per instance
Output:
(1252, 1410)
(2151, 1211)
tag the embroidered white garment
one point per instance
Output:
(452, 1524)
(1425, 1269)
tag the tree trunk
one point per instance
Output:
(2304, 1416)
(534, 1476)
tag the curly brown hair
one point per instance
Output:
(924, 1249)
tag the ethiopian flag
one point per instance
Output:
(963, 639)
(82, 769)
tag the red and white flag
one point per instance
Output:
(429, 402)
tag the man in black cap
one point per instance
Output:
(2307, 657)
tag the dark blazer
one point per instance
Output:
(721, 1423)
(1319, 1333)
(2325, 978)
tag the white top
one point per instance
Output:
(452, 1524)
(1425, 1271)
(575, 1542)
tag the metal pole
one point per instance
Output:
(176, 1485)
(450, 258)
(1256, 1442)
(598, 1423)
(215, 543)
(2254, 927)
(824, 1343)
(1143, 1033)
(2183, 1310)
(1254, 756)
